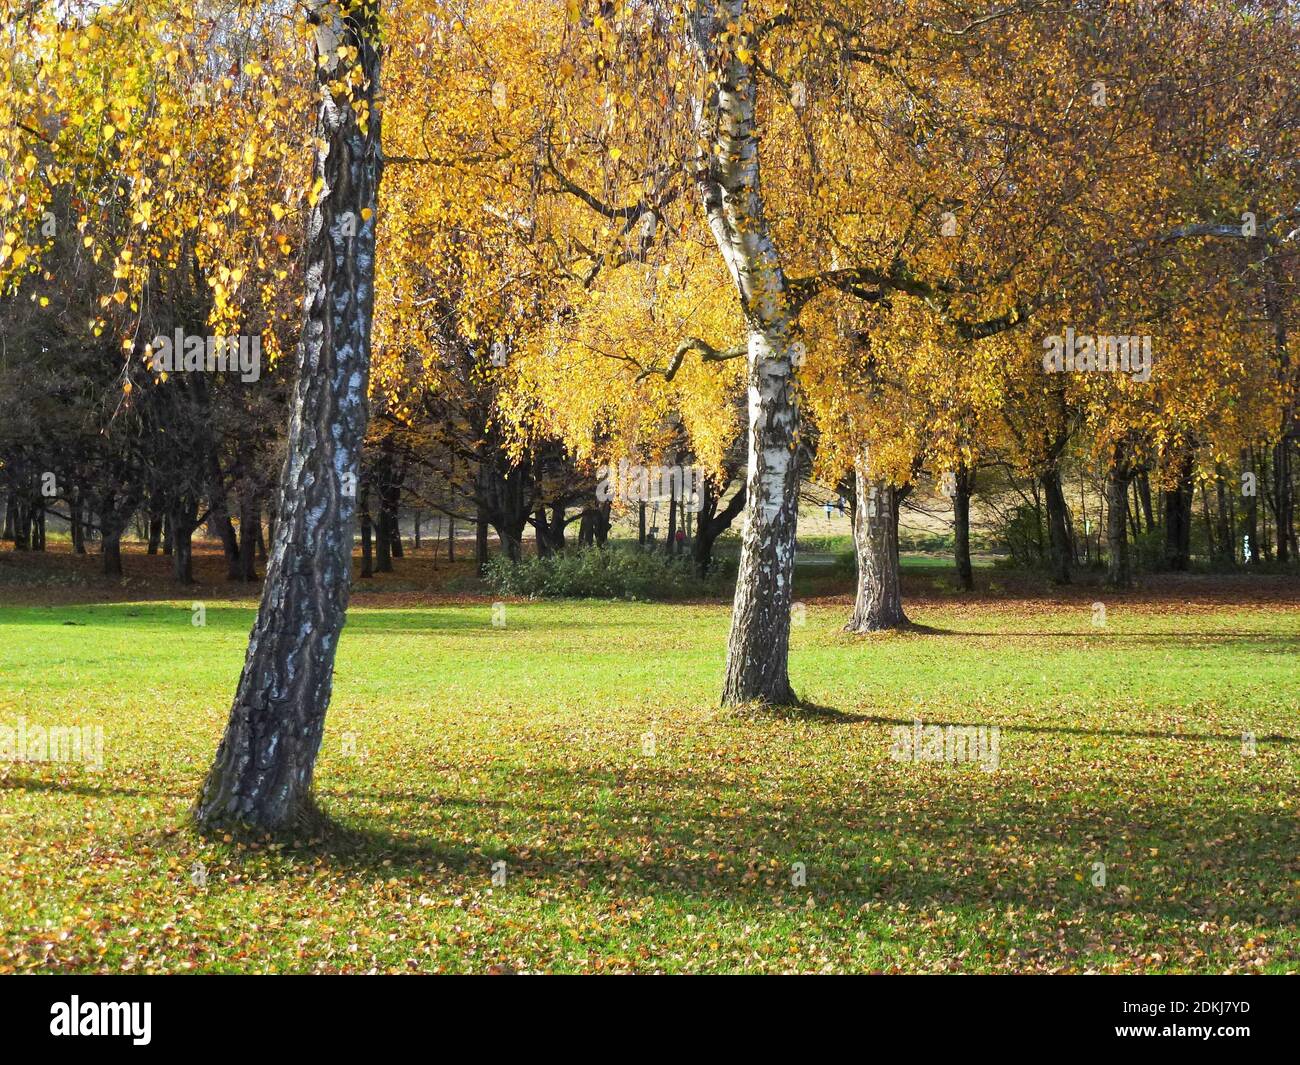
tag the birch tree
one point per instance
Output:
(262, 774)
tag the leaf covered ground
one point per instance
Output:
(642, 828)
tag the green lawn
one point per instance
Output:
(453, 744)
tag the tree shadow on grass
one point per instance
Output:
(674, 833)
(815, 712)
(69, 787)
(1069, 730)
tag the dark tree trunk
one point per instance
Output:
(602, 523)
(964, 484)
(1119, 571)
(367, 557)
(451, 539)
(111, 551)
(1144, 494)
(250, 522)
(1178, 521)
(672, 520)
(480, 542)
(22, 523)
(115, 514)
(1282, 500)
(262, 774)
(383, 540)
(229, 545)
(183, 553)
(392, 517)
(640, 525)
(879, 603)
(1060, 546)
(1227, 522)
(1209, 526)
(549, 530)
(78, 528)
(11, 506)
(155, 533)
(711, 523)
(539, 534)
(219, 512)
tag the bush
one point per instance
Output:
(607, 573)
(1023, 535)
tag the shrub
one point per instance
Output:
(607, 573)
(1024, 537)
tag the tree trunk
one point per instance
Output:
(879, 603)
(1144, 494)
(1276, 300)
(1178, 520)
(367, 557)
(727, 176)
(1060, 545)
(78, 528)
(672, 520)
(711, 524)
(480, 542)
(392, 509)
(1282, 500)
(383, 539)
(111, 551)
(250, 523)
(1209, 527)
(22, 522)
(540, 534)
(183, 553)
(1223, 519)
(964, 483)
(262, 774)
(1119, 572)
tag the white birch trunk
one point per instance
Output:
(727, 177)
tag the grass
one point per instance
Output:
(453, 744)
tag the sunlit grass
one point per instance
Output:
(643, 828)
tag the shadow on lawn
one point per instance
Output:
(832, 715)
(1068, 730)
(645, 832)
